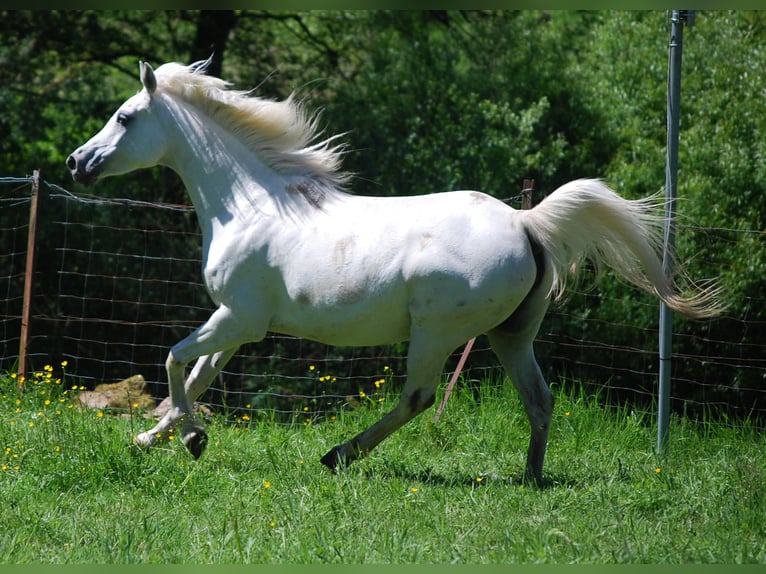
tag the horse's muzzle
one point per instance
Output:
(79, 170)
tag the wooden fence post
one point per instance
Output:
(29, 276)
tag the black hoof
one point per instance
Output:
(196, 442)
(333, 459)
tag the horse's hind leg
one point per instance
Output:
(512, 343)
(424, 367)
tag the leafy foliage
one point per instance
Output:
(437, 100)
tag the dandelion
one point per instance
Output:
(362, 394)
(657, 470)
(479, 479)
(414, 489)
(64, 363)
(312, 367)
(272, 524)
(100, 414)
(31, 424)
(566, 414)
(266, 484)
(245, 417)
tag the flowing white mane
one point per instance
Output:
(279, 132)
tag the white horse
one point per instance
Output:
(287, 250)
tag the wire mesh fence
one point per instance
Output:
(117, 283)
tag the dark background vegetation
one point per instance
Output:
(439, 100)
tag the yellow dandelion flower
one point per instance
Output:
(64, 363)
(362, 394)
(658, 470)
(100, 414)
(31, 424)
(272, 524)
(312, 367)
(245, 417)
(479, 479)
(414, 489)
(266, 484)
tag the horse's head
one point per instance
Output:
(130, 140)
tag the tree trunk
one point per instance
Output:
(213, 28)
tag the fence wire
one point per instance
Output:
(112, 308)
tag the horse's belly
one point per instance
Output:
(376, 323)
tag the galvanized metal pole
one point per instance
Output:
(678, 18)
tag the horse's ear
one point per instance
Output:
(147, 77)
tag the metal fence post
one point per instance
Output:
(678, 17)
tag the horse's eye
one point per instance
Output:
(123, 119)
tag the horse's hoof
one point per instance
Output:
(333, 459)
(196, 442)
(143, 441)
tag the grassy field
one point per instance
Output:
(74, 491)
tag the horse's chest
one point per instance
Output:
(224, 267)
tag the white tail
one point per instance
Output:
(585, 219)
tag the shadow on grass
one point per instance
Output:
(432, 477)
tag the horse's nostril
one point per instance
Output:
(71, 163)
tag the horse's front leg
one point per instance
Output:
(212, 345)
(180, 411)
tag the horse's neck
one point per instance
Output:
(226, 182)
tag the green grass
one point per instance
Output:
(74, 491)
